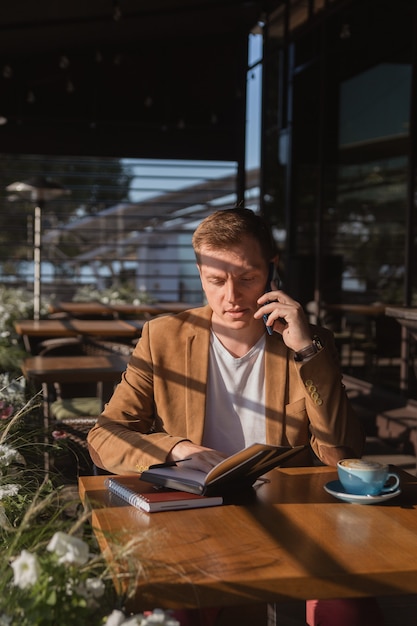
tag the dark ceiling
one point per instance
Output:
(153, 79)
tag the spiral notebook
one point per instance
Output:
(127, 488)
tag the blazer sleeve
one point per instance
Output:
(129, 435)
(332, 421)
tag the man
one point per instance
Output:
(208, 382)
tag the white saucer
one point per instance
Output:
(336, 489)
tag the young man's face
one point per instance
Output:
(233, 280)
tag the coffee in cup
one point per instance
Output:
(365, 477)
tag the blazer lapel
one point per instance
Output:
(197, 354)
(276, 377)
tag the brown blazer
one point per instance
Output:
(161, 398)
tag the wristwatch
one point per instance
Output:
(315, 346)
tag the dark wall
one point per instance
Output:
(184, 99)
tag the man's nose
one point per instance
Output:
(232, 291)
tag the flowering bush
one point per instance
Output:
(51, 571)
(112, 295)
(12, 395)
(56, 586)
(54, 583)
(14, 304)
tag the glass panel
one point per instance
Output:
(336, 158)
(371, 193)
(124, 230)
(254, 102)
(365, 225)
(374, 105)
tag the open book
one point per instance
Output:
(236, 472)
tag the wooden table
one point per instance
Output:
(406, 316)
(292, 540)
(34, 331)
(76, 327)
(70, 369)
(118, 309)
(366, 310)
(105, 371)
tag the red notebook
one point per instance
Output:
(127, 488)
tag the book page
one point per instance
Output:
(249, 456)
(241, 469)
(186, 476)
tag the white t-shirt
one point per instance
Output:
(235, 404)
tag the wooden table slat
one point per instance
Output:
(75, 327)
(66, 369)
(99, 308)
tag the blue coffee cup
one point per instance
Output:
(363, 477)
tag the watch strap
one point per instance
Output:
(309, 351)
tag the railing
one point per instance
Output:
(125, 226)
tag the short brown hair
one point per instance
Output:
(228, 227)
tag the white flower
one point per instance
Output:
(91, 589)
(8, 455)
(158, 616)
(69, 586)
(95, 587)
(116, 618)
(9, 490)
(26, 570)
(69, 549)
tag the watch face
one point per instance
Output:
(318, 342)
